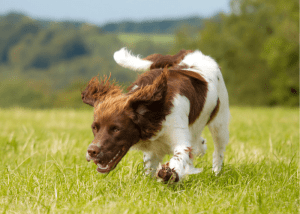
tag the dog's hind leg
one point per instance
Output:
(220, 133)
(200, 147)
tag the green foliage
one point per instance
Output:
(14, 28)
(132, 38)
(48, 47)
(257, 48)
(43, 168)
(168, 26)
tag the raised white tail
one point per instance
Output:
(125, 59)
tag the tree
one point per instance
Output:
(13, 28)
(257, 48)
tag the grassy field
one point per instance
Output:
(43, 168)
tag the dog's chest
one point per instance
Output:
(159, 144)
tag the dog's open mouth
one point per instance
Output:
(107, 166)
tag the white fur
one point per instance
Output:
(177, 136)
(208, 68)
(125, 59)
(134, 87)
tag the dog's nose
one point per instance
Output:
(93, 151)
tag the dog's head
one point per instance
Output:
(121, 120)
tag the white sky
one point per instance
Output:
(100, 12)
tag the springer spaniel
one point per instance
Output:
(165, 111)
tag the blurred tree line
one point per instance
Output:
(168, 26)
(257, 48)
(46, 64)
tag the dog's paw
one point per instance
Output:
(165, 173)
(192, 170)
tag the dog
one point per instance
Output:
(164, 112)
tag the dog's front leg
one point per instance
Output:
(177, 129)
(181, 163)
(151, 161)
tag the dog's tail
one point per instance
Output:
(125, 59)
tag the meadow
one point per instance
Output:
(43, 168)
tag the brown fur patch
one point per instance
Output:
(214, 112)
(177, 153)
(149, 105)
(96, 91)
(189, 150)
(110, 106)
(183, 82)
(191, 155)
(168, 174)
(161, 61)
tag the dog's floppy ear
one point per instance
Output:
(96, 91)
(147, 106)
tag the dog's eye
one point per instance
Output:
(94, 127)
(115, 129)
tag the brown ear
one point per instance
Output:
(148, 106)
(96, 91)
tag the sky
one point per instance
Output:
(100, 12)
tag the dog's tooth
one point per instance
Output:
(115, 156)
(101, 166)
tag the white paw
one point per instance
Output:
(217, 169)
(193, 170)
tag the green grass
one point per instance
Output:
(43, 168)
(132, 38)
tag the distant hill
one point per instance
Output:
(167, 26)
(164, 26)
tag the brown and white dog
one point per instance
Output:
(165, 111)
